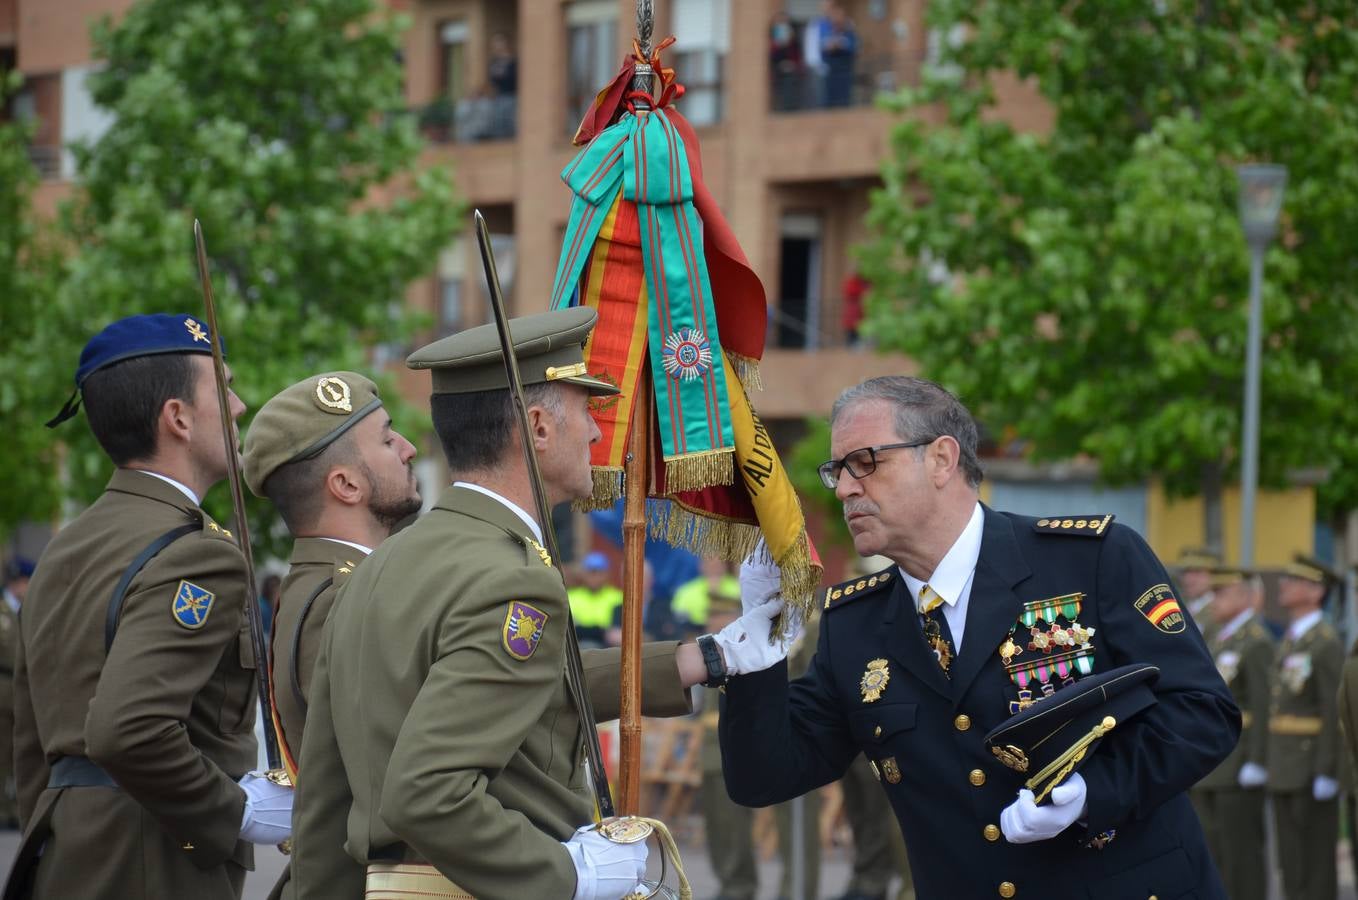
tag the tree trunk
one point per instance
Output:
(1211, 509)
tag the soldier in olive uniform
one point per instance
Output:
(1194, 570)
(324, 452)
(729, 827)
(135, 718)
(1230, 800)
(442, 750)
(17, 574)
(1303, 743)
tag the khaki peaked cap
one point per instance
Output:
(549, 347)
(302, 420)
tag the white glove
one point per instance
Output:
(1024, 822)
(268, 810)
(1324, 788)
(746, 642)
(1252, 775)
(760, 581)
(605, 870)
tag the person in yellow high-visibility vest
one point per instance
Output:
(596, 602)
(693, 599)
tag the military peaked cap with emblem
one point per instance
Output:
(1197, 558)
(134, 336)
(549, 347)
(1051, 739)
(1311, 569)
(1080, 526)
(855, 588)
(302, 420)
(1222, 576)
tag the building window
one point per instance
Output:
(452, 273)
(703, 29)
(796, 321)
(82, 121)
(592, 56)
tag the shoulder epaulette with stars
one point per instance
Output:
(1079, 526)
(842, 593)
(211, 527)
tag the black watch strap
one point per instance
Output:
(716, 668)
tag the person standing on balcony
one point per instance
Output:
(502, 74)
(785, 62)
(839, 50)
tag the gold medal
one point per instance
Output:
(874, 680)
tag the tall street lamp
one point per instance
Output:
(1261, 199)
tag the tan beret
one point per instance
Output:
(548, 346)
(302, 420)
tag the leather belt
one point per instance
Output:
(78, 771)
(399, 881)
(1295, 725)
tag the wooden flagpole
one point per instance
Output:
(637, 483)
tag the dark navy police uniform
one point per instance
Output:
(1061, 598)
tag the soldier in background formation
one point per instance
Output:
(1303, 743)
(324, 452)
(135, 723)
(17, 574)
(1194, 569)
(1230, 800)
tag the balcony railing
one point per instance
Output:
(46, 159)
(838, 85)
(470, 119)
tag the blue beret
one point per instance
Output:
(135, 336)
(21, 567)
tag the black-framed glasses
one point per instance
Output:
(862, 462)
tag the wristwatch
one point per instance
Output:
(716, 668)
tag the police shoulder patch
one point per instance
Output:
(842, 593)
(522, 631)
(191, 605)
(1161, 609)
(1079, 526)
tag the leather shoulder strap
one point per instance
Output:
(294, 676)
(115, 603)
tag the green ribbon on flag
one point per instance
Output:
(644, 157)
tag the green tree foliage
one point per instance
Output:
(32, 489)
(1086, 285)
(281, 127)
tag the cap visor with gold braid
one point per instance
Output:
(549, 347)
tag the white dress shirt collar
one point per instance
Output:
(958, 565)
(366, 551)
(168, 480)
(1298, 629)
(1233, 626)
(514, 507)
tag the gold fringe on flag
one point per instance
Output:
(608, 489)
(679, 526)
(747, 370)
(695, 471)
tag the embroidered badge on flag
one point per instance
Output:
(1161, 609)
(191, 605)
(523, 629)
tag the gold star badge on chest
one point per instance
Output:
(874, 680)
